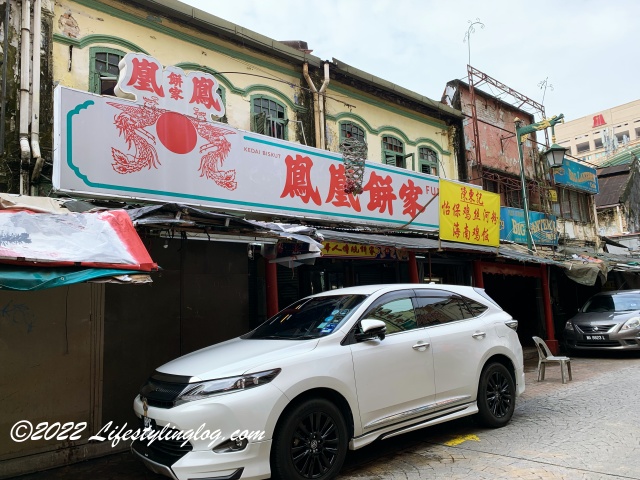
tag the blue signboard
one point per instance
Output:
(542, 227)
(576, 175)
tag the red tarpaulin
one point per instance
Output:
(105, 239)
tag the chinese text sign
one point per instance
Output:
(468, 214)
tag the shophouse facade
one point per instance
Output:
(91, 345)
(560, 202)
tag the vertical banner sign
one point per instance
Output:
(469, 214)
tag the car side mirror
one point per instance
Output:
(371, 329)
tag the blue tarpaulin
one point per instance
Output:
(33, 278)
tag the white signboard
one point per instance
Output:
(144, 149)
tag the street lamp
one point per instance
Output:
(554, 156)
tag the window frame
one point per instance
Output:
(283, 122)
(431, 164)
(572, 205)
(95, 77)
(396, 154)
(346, 124)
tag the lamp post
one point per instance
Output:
(554, 155)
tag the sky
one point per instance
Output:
(584, 50)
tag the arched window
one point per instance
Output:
(428, 160)
(268, 117)
(348, 129)
(393, 152)
(103, 69)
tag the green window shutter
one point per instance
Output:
(390, 159)
(260, 123)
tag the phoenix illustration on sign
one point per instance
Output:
(180, 107)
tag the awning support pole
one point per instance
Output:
(413, 268)
(271, 277)
(551, 341)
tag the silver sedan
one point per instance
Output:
(607, 321)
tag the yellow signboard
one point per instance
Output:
(469, 214)
(355, 250)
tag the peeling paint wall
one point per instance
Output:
(611, 221)
(496, 130)
(571, 231)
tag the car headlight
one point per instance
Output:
(218, 386)
(568, 325)
(631, 324)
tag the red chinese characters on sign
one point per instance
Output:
(468, 214)
(175, 81)
(337, 196)
(145, 76)
(381, 193)
(409, 193)
(142, 76)
(298, 182)
(204, 93)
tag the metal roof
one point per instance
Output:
(612, 184)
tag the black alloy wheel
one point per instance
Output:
(496, 396)
(311, 442)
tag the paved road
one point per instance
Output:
(586, 429)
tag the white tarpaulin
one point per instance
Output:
(105, 239)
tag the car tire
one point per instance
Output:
(310, 441)
(496, 396)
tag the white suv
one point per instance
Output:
(332, 372)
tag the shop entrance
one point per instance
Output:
(520, 297)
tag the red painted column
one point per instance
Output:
(551, 341)
(413, 268)
(271, 277)
(478, 280)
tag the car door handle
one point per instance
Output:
(479, 335)
(420, 346)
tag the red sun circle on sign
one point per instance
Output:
(176, 132)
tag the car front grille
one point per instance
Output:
(595, 328)
(162, 393)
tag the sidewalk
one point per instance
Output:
(124, 466)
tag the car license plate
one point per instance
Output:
(148, 423)
(596, 338)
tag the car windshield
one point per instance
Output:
(308, 318)
(612, 303)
